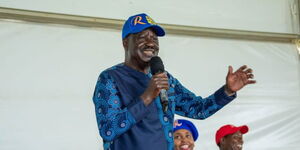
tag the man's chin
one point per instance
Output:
(144, 63)
(146, 60)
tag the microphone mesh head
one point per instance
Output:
(156, 65)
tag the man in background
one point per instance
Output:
(230, 137)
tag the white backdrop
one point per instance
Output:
(48, 74)
(254, 15)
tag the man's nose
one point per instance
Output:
(150, 43)
(185, 140)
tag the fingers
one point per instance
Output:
(242, 68)
(161, 81)
(250, 76)
(157, 82)
(245, 75)
(160, 75)
(249, 70)
(245, 71)
(251, 81)
(161, 84)
(230, 70)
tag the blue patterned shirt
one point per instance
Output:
(125, 123)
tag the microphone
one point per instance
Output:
(157, 66)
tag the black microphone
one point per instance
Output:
(157, 66)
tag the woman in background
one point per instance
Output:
(185, 135)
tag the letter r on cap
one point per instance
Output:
(137, 20)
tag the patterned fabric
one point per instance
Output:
(124, 121)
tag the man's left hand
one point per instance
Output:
(238, 79)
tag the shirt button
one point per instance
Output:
(123, 124)
(100, 110)
(108, 133)
(166, 119)
(170, 134)
(199, 114)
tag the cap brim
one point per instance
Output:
(157, 29)
(244, 129)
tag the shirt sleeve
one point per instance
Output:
(113, 119)
(189, 105)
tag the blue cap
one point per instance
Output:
(138, 23)
(185, 124)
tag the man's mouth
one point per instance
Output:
(184, 147)
(237, 147)
(149, 52)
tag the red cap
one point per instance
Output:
(229, 129)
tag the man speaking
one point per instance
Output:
(132, 114)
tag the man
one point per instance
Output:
(128, 108)
(230, 137)
(185, 135)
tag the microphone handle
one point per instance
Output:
(165, 106)
(164, 100)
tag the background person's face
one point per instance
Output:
(183, 140)
(234, 141)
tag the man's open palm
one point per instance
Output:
(238, 79)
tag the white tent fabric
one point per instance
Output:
(48, 74)
(255, 15)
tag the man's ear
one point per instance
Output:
(125, 43)
(222, 139)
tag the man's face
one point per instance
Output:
(183, 140)
(142, 47)
(233, 141)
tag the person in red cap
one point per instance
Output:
(230, 137)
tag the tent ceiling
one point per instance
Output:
(55, 18)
